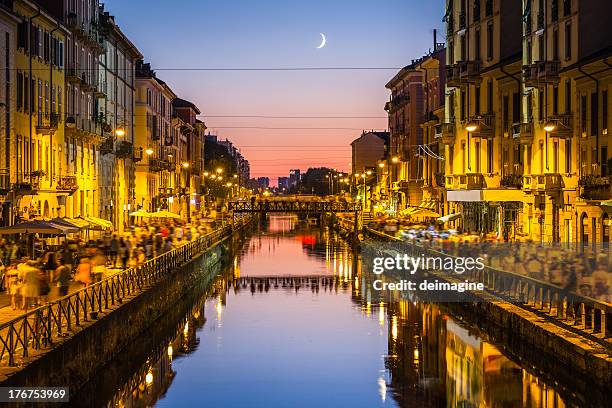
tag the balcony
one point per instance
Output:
(67, 184)
(512, 181)
(523, 132)
(76, 26)
(47, 123)
(28, 185)
(398, 101)
(165, 192)
(156, 165)
(463, 72)
(541, 73)
(563, 125)
(124, 150)
(107, 146)
(88, 82)
(72, 76)
(469, 181)
(448, 133)
(545, 182)
(486, 126)
(593, 188)
(100, 90)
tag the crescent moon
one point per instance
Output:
(323, 41)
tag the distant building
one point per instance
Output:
(294, 178)
(283, 183)
(367, 149)
(263, 182)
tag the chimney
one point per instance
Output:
(435, 39)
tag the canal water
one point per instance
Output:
(292, 322)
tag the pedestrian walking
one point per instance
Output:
(62, 277)
(31, 283)
(13, 283)
(124, 253)
(83, 274)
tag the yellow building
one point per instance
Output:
(42, 175)
(566, 81)
(483, 78)
(526, 120)
(155, 136)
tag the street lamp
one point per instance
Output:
(381, 165)
(149, 151)
(471, 126)
(395, 159)
(219, 170)
(206, 174)
(185, 165)
(120, 132)
(550, 126)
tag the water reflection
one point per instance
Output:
(302, 327)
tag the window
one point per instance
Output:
(529, 51)
(556, 45)
(490, 41)
(568, 155)
(540, 104)
(530, 107)
(490, 96)
(477, 99)
(463, 158)
(528, 159)
(568, 96)
(555, 156)
(26, 93)
(568, 40)
(516, 107)
(477, 45)
(463, 48)
(541, 56)
(583, 113)
(594, 109)
(19, 90)
(555, 100)
(490, 156)
(462, 110)
(477, 156)
(505, 112)
(604, 160)
(604, 109)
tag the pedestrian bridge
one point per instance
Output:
(294, 206)
(265, 283)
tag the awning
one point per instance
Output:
(140, 213)
(449, 217)
(37, 227)
(69, 222)
(165, 214)
(96, 223)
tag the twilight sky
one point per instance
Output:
(272, 34)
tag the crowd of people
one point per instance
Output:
(31, 275)
(582, 269)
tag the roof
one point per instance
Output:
(182, 103)
(385, 136)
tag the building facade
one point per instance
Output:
(405, 109)
(115, 111)
(43, 183)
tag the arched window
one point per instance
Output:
(584, 228)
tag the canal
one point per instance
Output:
(291, 320)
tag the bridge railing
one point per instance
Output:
(39, 328)
(589, 316)
(297, 206)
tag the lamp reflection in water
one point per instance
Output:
(381, 314)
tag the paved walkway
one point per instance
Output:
(7, 313)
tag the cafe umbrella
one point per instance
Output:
(29, 228)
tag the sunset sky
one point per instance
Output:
(277, 34)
